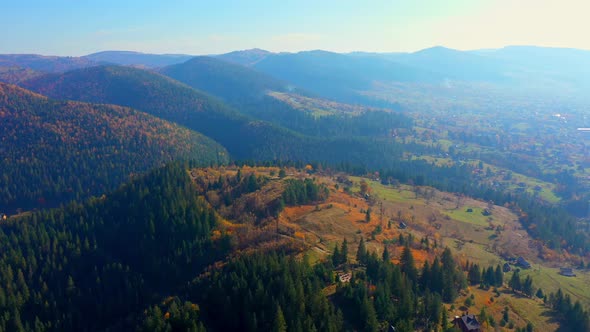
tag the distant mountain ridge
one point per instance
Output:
(43, 63)
(130, 58)
(234, 83)
(246, 57)
(338, 76)
(346, 76)
(354, 76)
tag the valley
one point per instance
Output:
(303, 191)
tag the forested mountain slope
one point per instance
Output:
(234, 83)
(54, 151)
(93, 266)
(171, 100)
(269, 99)
(15, 75)
(243, 136)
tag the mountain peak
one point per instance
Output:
(245, 57)
(437, 50)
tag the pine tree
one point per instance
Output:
(361, 253)
(499, 276)
(368, 215)
(483, 316)
(344, 252)
(336, 256)
(540, 294)
(489, 276)
(527, 287)
(385, 255)
(444, 320)
(515, 281)
(368, 316)
(505, 316)
(279, 324)
(408, 266)
(426, 276)
(474, 274)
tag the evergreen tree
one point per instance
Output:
(385, 257)
(279, 324)
(444, 320)
(474, 274)
(368, 316)
(515, 283)
(408, 266)
(499, 276)
(361, 253)
(527, 286)
(483, 316)
(344, 252)
(426, 276)
(336, 256)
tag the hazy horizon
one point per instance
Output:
(184, 27)
(294, 52)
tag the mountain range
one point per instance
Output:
(354, 77)
(261, 105)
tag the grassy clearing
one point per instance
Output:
(475, 217)
(521, 310)
(474, 253)
(550, 280)
(440, 162)
(402, 195)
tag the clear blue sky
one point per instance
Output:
(78, 27)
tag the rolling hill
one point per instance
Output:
(234, 83)
(55, 151)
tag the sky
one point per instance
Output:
(80, 27)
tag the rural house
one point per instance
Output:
(520, 261)
(567, 271)
(467, 323)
